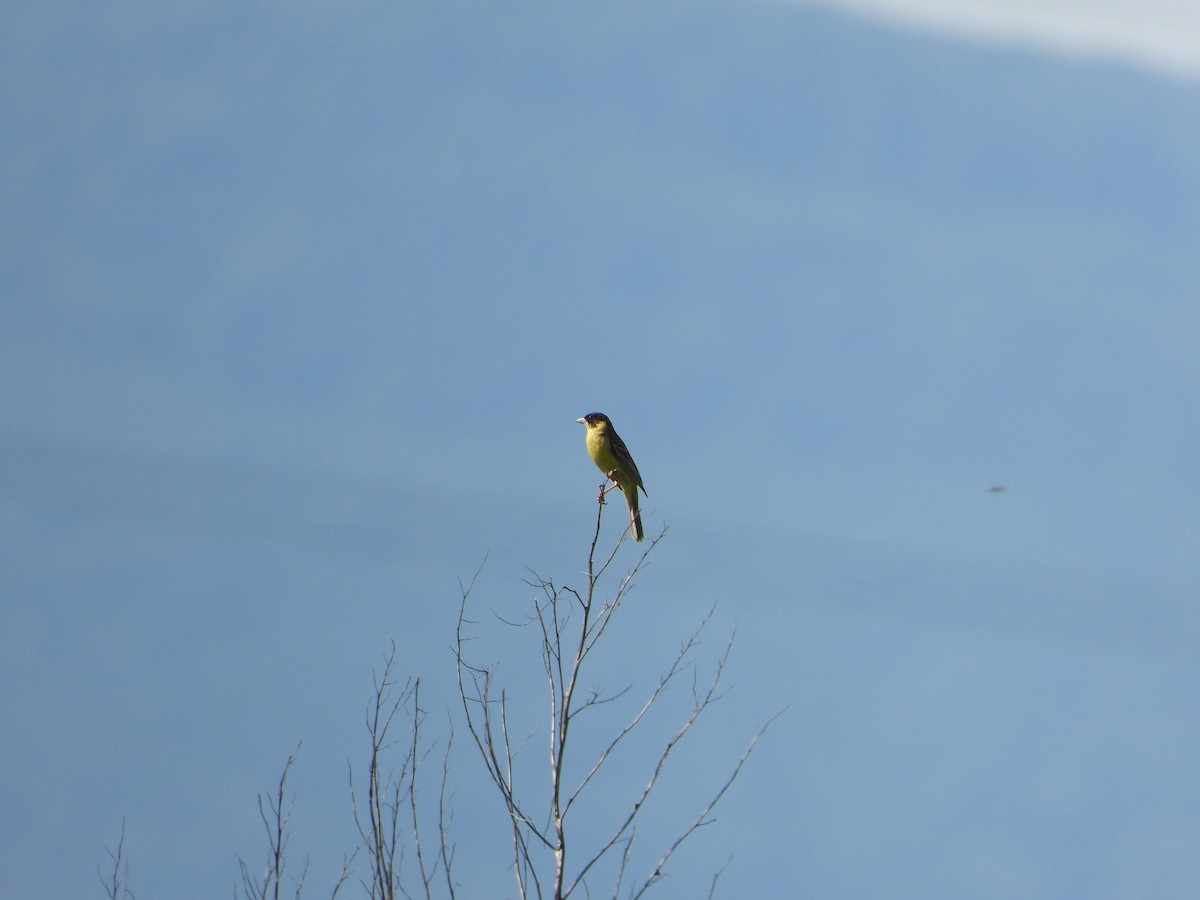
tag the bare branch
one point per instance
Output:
(389, 793)
(712, 886)
(703, 817)
(417, 715)
(275, 818)
(344, 875)
(491, 739)
(677, 666)
(699, 706)
(116, 883)
(445, 819)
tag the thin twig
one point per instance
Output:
(703, 818)
(116, 884)
(445, 819)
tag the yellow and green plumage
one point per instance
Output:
(612, 457)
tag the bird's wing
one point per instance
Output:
(621, 452)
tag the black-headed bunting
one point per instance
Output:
(612, 457)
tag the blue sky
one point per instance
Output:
(300, 307)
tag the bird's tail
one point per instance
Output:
(635, 514)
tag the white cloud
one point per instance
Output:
(1158, 34)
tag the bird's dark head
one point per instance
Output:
(594, 420)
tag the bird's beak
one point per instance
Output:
(581, 422)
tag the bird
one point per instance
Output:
(610, 454)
